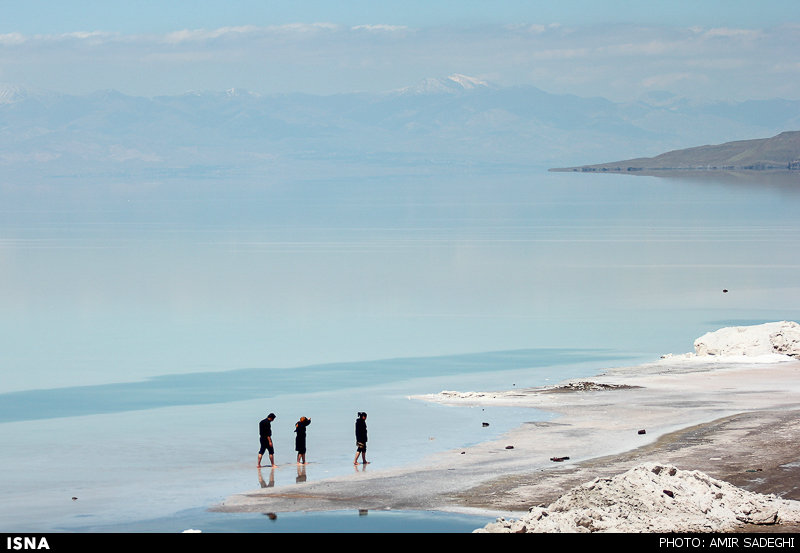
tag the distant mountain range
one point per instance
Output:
(781, 152)
(446, 125)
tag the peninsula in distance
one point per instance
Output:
(779, 153)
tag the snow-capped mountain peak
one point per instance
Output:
(11, 93)
(467, 82)
(452, 84)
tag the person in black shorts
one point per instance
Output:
(265, 434)
(361, 438)
(300, 440)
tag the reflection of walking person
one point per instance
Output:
(271, 483)
(361, 438)
(265, 434)
(300, 440)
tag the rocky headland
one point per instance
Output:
(778, 153)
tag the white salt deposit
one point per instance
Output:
(653, 498)
(659, 497)
(782, 338)
(777, 342)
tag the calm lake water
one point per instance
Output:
(147, 327)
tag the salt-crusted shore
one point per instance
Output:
(729, 411)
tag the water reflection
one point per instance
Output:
(302, 476)
(781, 181)
(262, 482)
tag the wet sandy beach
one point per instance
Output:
(735, 421)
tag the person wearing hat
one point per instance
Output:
(265, 434)
(300, 440)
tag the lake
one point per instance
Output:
(149, 325)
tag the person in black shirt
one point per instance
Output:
(265, 434)
(361, 438)
(300, 440)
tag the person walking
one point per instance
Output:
(300, 440)
(265, 435)
(361, 438)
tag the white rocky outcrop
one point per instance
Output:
(770, 338)
(653, 498)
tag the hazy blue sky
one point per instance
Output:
(619, 49)
(46, 16)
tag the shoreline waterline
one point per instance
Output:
(200, 519)
(494, 476)
(154, 462)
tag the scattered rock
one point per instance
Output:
(642, 432)
(761, 518)
(586, 385)
(509, 447)
(485, 424)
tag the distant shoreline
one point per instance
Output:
(650, 171)
(780, 153)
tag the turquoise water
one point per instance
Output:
(147, 327)
(137, 453)
(243, 384)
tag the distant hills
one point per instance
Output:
(451, 125)
(781, 152)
